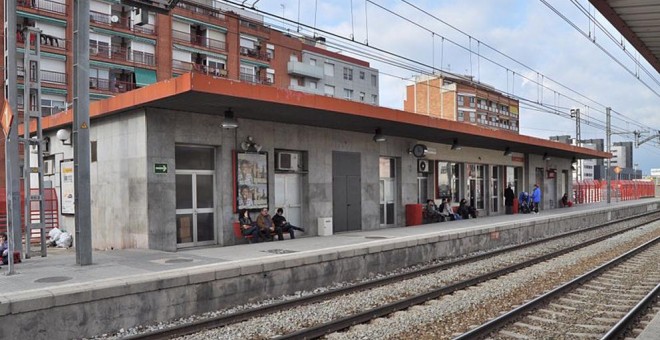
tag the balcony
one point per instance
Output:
(198, 40)
(254, 53)
(201, 9)
(184, 67)
(301, 69)
(123, 22)
(44, 5)
(118, 53)
(254, 78)
(47, 41)
(47, 76)
(111, 85)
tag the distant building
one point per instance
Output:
(622, 156)
(463, 100)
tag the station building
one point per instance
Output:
(166, 175)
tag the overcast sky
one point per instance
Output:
(542, 46)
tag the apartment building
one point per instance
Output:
(461, 99)
(130, 49)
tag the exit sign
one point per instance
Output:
(160, 168)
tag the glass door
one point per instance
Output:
(195, 196)
(387, 191)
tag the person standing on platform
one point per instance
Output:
(4, 248)
(536, 198)
(509, 196)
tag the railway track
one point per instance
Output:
(316, 330)
(601, 304)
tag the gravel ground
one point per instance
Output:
(440, 318)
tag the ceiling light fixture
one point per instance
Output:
(379, 137)
(455, 146)
(546, 157)
(507, 151)
(229, 122)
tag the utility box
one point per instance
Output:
(325, 226)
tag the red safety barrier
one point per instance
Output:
(590, 191)
(51, 212)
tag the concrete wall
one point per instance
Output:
(90, 311)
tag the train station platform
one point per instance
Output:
(54, 298)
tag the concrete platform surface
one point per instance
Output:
(59, 267)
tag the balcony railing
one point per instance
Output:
(198, 40)
(44, 5)
(253, 25)
(254, 78)
(201, 9)
(185, 67)
(254, 53)
(122, 22)
(118, 53)
(47, 76)
(110, 85)
(46, 41)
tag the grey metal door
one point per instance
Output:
(346, 192)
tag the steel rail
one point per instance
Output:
(504, 319)
(225, 320)
(630, 319)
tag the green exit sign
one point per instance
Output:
(160, 168)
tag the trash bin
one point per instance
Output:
(515, 205)
(414, 214)
(325, 226)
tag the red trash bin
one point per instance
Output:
(414, 214)
(515, 206)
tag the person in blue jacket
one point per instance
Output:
(536, 198)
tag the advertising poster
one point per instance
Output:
(252, 180)
(68, 206)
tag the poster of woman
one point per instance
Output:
(252, 180)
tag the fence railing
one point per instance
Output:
(118, 53)
(121, 21)
(198, 40)
(44, 5)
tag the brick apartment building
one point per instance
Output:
(130, 49)
(460, 99)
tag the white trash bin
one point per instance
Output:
(325, 226)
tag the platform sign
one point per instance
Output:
(160, 168)
(67, 188)
(617, 169)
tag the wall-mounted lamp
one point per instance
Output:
(379, 137)
(249, 145)
(455, 146)
(64, 136)
(507, 151)
(574, 160)
(546, 157)
(229, 122)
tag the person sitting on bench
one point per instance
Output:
(281, 225)
(431, 211)
(265, 224)
(247, 226)
(565, 202)
(447, 213)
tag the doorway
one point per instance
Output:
(195, 196)
(387, 191)
(346, 192)
(288, 193)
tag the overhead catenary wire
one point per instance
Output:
(421, 68)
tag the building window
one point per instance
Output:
(348, 73)
(270, 52)
(248, 73)
(99, 48)
(329, 90)
(329, 69)
(374, 80)
(348, 93)
(460, 116)
(51, 106)
(459, 99)
(472, 101)
(362, 75)
(312, 61)
(270, 76)
(374, 99)
(313, 85)
(362, 94)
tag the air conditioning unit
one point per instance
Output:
(49, 167)
(287, 161)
